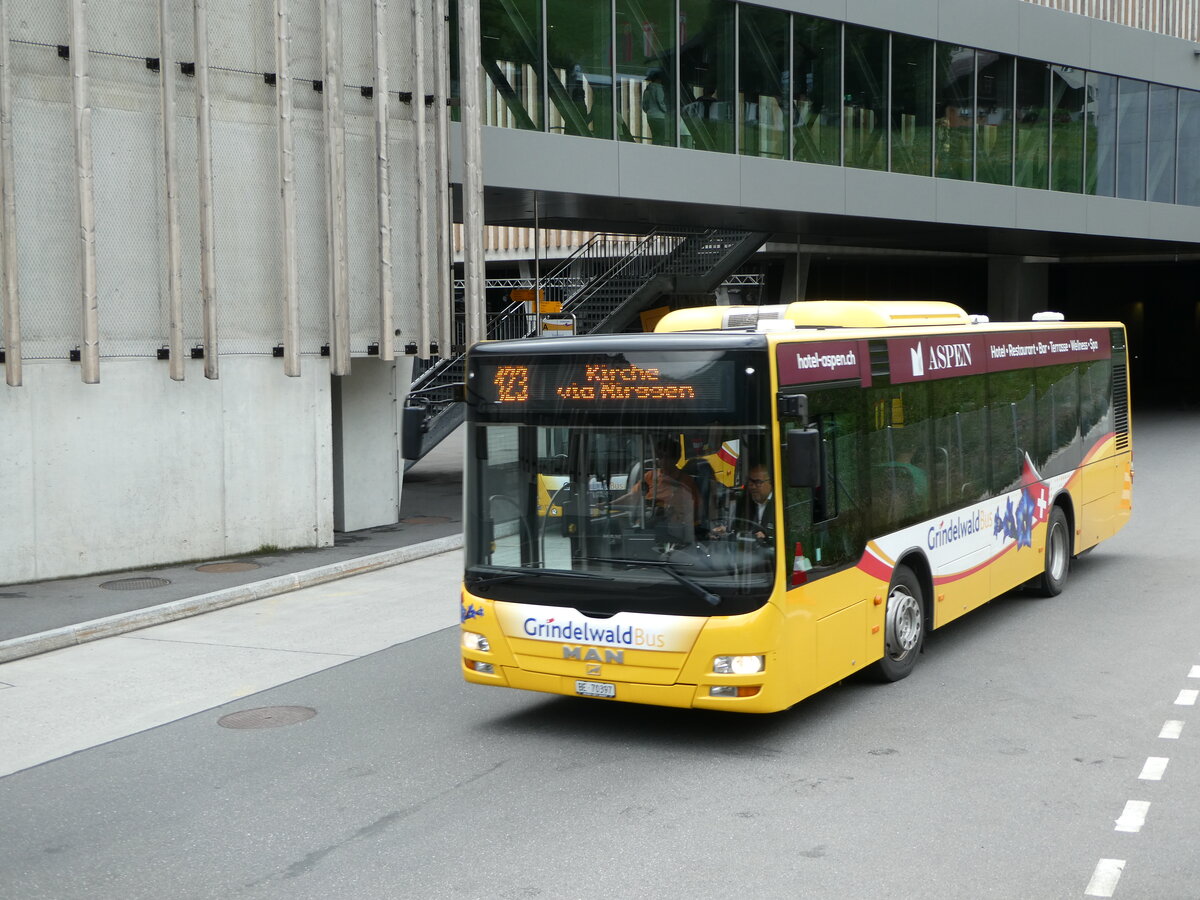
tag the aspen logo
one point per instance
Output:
(918, 363)
(939, 357)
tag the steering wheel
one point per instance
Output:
(736, 526)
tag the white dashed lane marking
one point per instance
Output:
(1172, 728)
(1187, 698)
(1133, 817)
(1195, 673)
(1154, 768)
(1105, 878)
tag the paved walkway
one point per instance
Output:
(43, 615)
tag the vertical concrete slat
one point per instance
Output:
(8, 217)
(383, 195)
(472, 152)
(166, 68)
(335, 147)
(89, 356)
(287, 189)
(441, 93)
(208, 266)
(422, 180)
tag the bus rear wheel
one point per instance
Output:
(1058, 554)
(904, 626)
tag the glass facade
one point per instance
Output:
(707, 50)
(1101, 156)
(816, 90)
(995, 82)
(1160, 181)
(1132, 104)
(912, 105)
(763, 100)
(579, 66)
(865, 101)
(647, 95)
(738, 78)
(954, 106)
(1033, 124)
(1068, 111)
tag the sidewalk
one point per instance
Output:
(46, 615)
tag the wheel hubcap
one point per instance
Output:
(903, 622)
(1058, 552)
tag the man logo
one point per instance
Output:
(918, 363)
(593, 669)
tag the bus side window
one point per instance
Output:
(828, 523)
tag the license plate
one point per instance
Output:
(595, 689)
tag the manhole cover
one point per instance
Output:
(224, 567)
(134, 584)
(425, 520)
(267, 717)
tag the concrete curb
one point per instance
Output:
(70, 635)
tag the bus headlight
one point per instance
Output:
(473, 641)
(739, 665)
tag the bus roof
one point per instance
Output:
(818, 314)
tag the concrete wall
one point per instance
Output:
(367, 470)
(142, 470)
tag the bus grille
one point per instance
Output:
(1120, 405)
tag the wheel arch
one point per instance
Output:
(1064, 501)
(919, 564)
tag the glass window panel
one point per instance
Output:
(1189, 136)
(1101, 137)
(1095, 402)
(762, 81)
(1161, 180)
(959, 414)
(706, 71)
(994, 152)
(1012, 410)
(510, 33)
(829, 522)
(866, 97)
(1057, 420)
(646, 95)
(1131, 139)
(899, 448)
(579, 57)
(954, 146)
(912, 105)
(817, 90)
(1033, 124)
(1067, 95)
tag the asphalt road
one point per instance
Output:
(1014, 763)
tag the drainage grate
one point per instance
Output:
(425, 520)
(267, 717)
(134, 584)
(225, 567)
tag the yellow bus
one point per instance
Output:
(887, 467)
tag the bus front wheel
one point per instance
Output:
(904, 626)
(1058, 554)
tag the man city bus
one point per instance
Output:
(919, 462)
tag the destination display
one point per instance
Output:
(607, 383)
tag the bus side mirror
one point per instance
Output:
(804, 458)
(412, 428)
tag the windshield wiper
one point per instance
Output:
(518, 571)
(694, 586)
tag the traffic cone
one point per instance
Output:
(800, 566)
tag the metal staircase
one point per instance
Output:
(604, 286)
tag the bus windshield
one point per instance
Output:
(667, 520)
